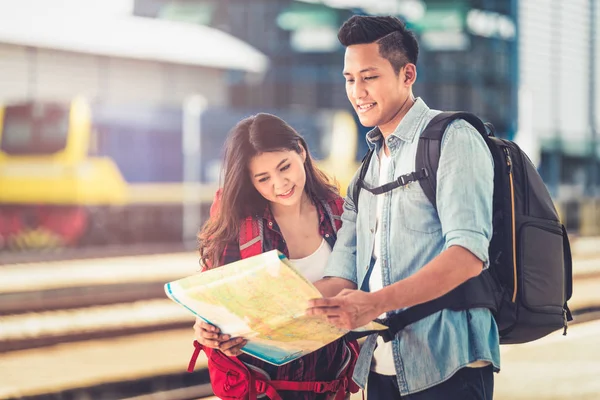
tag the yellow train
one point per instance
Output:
(79, 173)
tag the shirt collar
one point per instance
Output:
(407, 128)
(269, 219)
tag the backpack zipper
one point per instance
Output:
(512, 204)
(524, 162)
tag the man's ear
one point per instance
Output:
(410, 74)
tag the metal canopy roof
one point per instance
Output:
(130, 37)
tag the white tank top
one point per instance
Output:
(383, 357)
(312, 267)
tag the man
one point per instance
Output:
(397, 247)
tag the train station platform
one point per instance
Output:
(89, 363)
(551, 368)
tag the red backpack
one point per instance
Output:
(232, 379)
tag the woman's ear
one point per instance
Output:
(303, 153)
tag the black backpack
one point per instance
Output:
(529, 279)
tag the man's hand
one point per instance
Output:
(350, 309)
(210, 336)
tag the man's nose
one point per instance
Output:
(358, 90)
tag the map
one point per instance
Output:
(263, 299)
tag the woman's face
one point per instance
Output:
(279, 176)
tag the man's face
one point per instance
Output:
(376, 92)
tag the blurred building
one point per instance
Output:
(468, 59)
(58, 54)
(298, 37)
(100, 122)
(559, 87)
(527, 66)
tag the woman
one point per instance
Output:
(274, 197)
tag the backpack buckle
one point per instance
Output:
(327, 387)
(386, 335)
(261, 386)
(319, 387)
(322, 387)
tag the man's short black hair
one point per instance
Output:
(397, 44)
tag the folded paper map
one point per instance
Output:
(263, 299)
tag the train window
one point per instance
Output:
(17, 133)
(34, 129)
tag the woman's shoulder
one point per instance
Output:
(336, 204)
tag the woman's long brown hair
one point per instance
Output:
(252, 136)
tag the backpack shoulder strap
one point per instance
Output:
(364, 167)
(251, 230)
(430, 147)
(334, 209)
(251, 237)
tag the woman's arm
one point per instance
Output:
(211, 336)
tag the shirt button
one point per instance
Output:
(270, 223)
(327, 235)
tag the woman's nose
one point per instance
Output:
(279, 182)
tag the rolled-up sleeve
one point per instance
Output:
(465, 187)
(342, 261)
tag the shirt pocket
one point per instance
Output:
(416, 211)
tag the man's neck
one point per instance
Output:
(389, 128)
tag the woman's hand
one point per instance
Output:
(210, 336)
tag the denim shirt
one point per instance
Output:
(431, 350)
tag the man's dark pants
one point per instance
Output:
(466, 384)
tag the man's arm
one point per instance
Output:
(452, 267)
(464, 199)
(465, 187)
(350, 309)
(331, 286)
(340, 272)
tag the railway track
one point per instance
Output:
(97, 328)
(60, 302)
(113, 368)
(90, 252)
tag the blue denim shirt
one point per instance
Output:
(431, 350)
